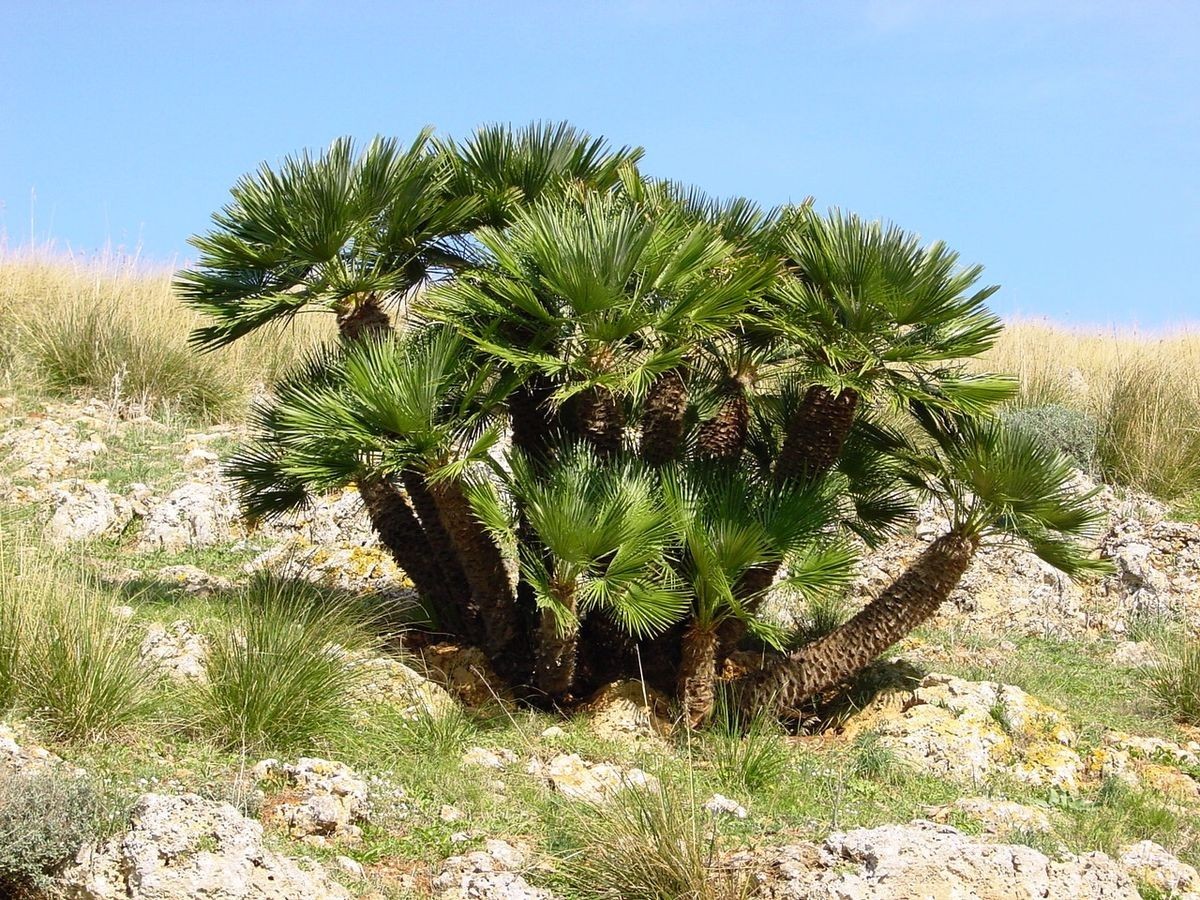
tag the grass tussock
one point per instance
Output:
(276, 668)
(745, 756)
(65, 657)
(1138, 393)
(1174, 682)
(651, 845)
(112, 327)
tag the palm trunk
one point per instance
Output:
(600, 420)
(814, 437)
(401, 533)
(363, 319)
(557, 648)
(662, 418)
(724, 435)
(532, 418)
(442, 552)
(698, 673)
(834, 659)
(492, 597)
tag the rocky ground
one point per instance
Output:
(1012, 751)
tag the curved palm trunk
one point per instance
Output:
(600, 420)
(814, 437)
(492, 598)
(698, 673)
(662, 418)
(401, 533)
(557, 648)
(825, 663)
(724, 435)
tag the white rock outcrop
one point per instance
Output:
(185, 847)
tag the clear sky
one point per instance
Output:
(1056, 142)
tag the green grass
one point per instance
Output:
(1175, 682)
(276, 675)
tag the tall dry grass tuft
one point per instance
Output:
(111, 326)
(65, 657)
(1140, 390)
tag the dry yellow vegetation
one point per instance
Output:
(110, 325)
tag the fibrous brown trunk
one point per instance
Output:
(556, 649)
(698, 673)
(815, 435)
(662, 418)
(364, 318)
(492, 597)
(442, 552)
(533, 420)
(724, 435)
(401, 533)
(599, 420)
(836, 658)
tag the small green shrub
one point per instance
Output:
(1175, 682)
(823, 614)
(1063, 428)
(746, 756)
(81, 674)
(93, 349)
(44, 819)
(872, 760)
(650, 845)
(277, 673)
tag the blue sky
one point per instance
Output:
(1056, 142)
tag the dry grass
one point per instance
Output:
(1141, 390)
(111, 326)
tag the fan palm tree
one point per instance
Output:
(995, 484)
(730, 521)
(603, 534)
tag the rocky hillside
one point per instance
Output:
(1013, 749)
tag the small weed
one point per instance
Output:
(746, 756)
(1175, 683)
(873, 760)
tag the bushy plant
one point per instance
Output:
(1070, 431)
(650, 845)
(746, 755)
(277, 673)
(44, 819)
(1149, 438)
(81, 672)
(1174, 681)
(697, 396)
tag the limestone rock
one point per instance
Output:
(720, 805)
(1153, 865)
(195, 514)
(182, 847)
(193, 580)
(347, 567)
(925, 860)
(628, 710)
(996, 816)
(595, 783)
(322, 798)
(384, 680)
(484, 758)
(176, 651)
(489, 874)
(466, 673)
(85, 510)
(968, 730)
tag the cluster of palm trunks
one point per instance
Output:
(667, 410)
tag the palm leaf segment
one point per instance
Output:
(1007, 484)
(325, 231)
(874, 308)
(604, 539)
(730, 522)
(381, 407)
(598, 293)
